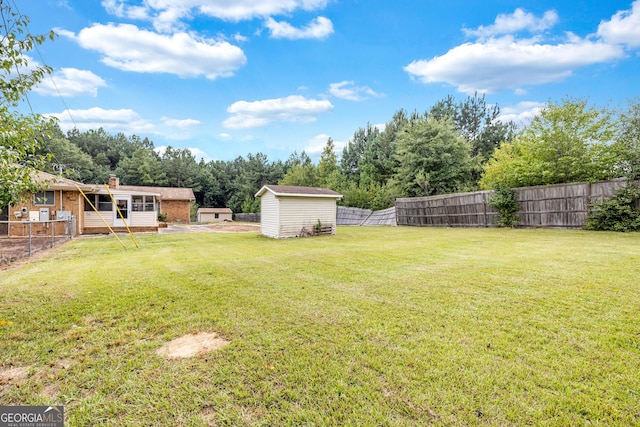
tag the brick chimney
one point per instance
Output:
(114, 182)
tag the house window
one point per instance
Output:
(149, 203)
(44, 198)
(217, 216)
(142, 203)
(102, 202)
(137, 203)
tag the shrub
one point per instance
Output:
(162, 216)
(503, 200)
(618, 213)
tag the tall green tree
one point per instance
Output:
(180, 167)
(433, 159)
(478, 123)
(328, 172)
(300, 171)
(567, 142)
(142, 168)
(20, 134)
(629, 140)
(353, 152)
(66, 159)
(379, 162)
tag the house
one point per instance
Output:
(94, 208)
(120, 208)
(60, 199)
(214, 214)
(173, 201)
(291, 211)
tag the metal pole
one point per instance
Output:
(29, 238)
(53, 233)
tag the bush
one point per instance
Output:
(618, 213)
(162, 216)
(503, 200)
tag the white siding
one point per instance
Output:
(92, 220)
(211, 217)
(144, 219)
(138, 219)
(304, 212)
(269, 216)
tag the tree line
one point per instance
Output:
(454, 146)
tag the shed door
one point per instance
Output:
(124, 205)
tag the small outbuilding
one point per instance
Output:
(214, 214)
(292, 211)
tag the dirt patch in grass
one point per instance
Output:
(16, 249)
(226, 227)
(17, 375)
(192, 345)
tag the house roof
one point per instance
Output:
(55, 182)
(215, 210)
(166, 193)
(102, 189)
(296, 191)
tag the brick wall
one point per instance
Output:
(71, 201)
(176, 210)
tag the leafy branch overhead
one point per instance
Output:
(20, 135)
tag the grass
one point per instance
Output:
(374, 326)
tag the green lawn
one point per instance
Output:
(374, 326)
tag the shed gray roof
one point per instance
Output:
(296, 191)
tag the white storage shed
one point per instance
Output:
(291, 211)
(214, 214)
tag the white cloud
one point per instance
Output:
(128, 48)
(623, 28)
(522, 113)
(316, 144)
(240, 38)
(519, 20)
(200, 154)
(319, 28)
(347, 90)
(498, 60)
(380, 126)
(167, 14)
(506, 63)
(224, 136)
(70, 82)
(180, 123)
(125, 120)
(293, 108)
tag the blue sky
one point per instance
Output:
(225, 78)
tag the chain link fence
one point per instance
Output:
(22, 239)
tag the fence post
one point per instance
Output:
(53, 233)
(29, 227)
(484, 205)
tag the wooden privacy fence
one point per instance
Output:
(356, 216)
(560, 205)
(247, 217)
